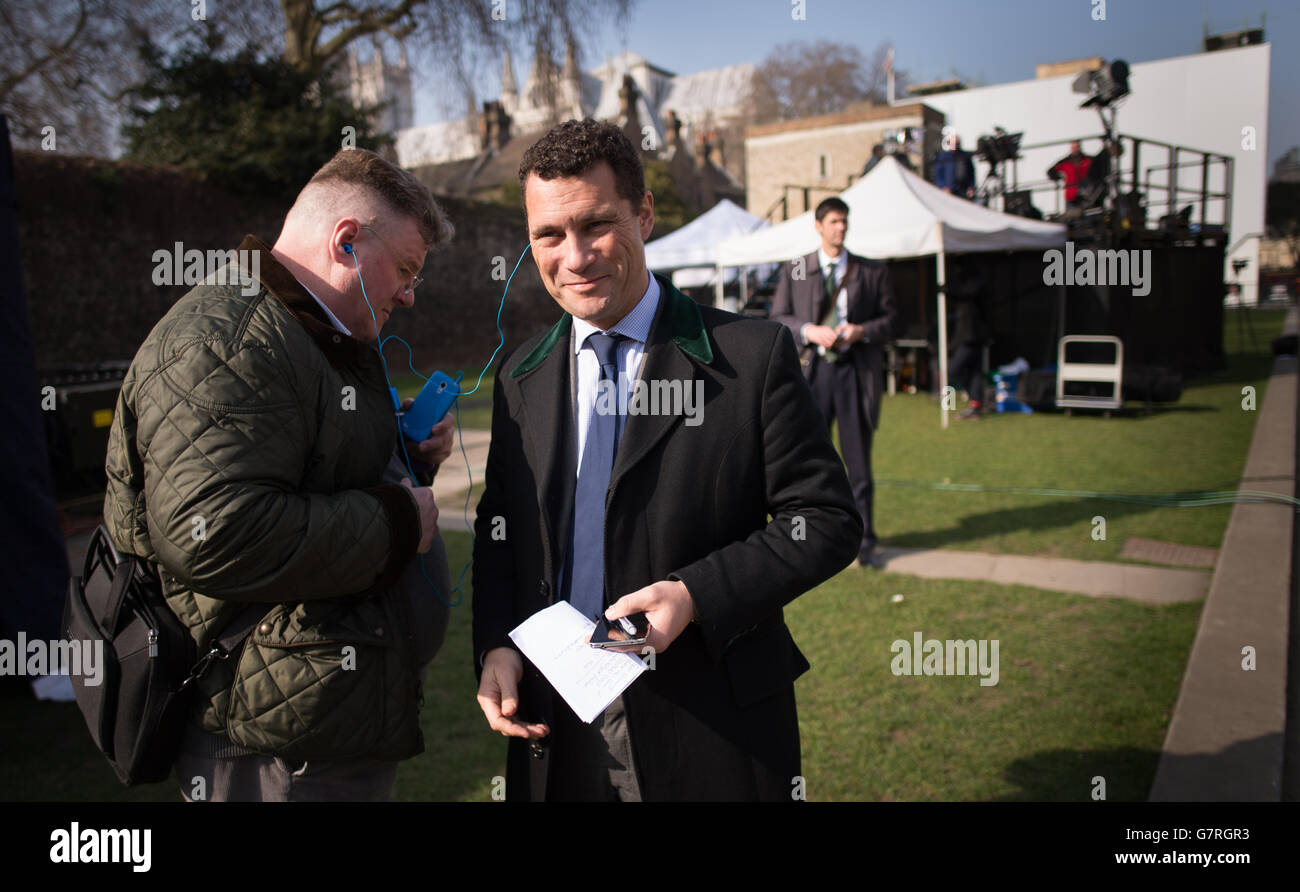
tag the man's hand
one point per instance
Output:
(667, 605)
(821, 335)
(849, 334)
(423, 496)
(435, 450)
(498, 694)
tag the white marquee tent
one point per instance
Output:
(893, 213)
(690, 252)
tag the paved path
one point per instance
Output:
(452, 481)
(1227, 737)
(1151, 585)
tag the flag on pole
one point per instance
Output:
(889, 75)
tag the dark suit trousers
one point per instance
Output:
(595, 763)
(835, 390)
(591, 763)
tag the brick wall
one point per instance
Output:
(89, 229)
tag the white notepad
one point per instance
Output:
(588, 678)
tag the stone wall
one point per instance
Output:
(826, 154)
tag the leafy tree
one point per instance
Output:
(671, 211)
(251, 124)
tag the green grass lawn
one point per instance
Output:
(1085, 689)
(1198, 443)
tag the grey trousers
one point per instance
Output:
(257, 778)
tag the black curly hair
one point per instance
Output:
(575, 147)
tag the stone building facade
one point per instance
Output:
(792, 165)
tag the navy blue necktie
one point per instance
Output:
(586, 576)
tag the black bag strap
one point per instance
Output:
(241, 626)
(231, 637)
(123, 576)
(100, 551)
(125, 568)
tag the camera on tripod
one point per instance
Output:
(999, 147)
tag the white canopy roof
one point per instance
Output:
(696, 243)
(699, 276)
(895, 213)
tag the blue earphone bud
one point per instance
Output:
(347, 249)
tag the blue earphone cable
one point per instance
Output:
(501, 338)
(460, 436)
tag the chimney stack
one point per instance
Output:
(494, 127)
(715, 150)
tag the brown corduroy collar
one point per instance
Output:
(339, 348)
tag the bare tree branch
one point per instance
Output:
(801, 79)
(365, 23)
(76, 79)
(9, 82)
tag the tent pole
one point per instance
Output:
(744, 289)
(719, 286)
(943, 337)
(1060, 316)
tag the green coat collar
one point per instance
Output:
(678, 317)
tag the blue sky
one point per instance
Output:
(994, 41)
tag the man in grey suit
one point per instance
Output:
(841, 310)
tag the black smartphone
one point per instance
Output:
(622, 632)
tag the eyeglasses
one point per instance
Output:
(415, 279)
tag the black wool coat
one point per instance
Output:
(716, 717)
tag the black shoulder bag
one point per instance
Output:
(136, 712)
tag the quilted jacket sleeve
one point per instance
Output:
(225, 430)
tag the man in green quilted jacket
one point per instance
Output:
(251, 461)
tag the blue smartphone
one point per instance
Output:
(435, 398)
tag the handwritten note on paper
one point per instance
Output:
(588, 678)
